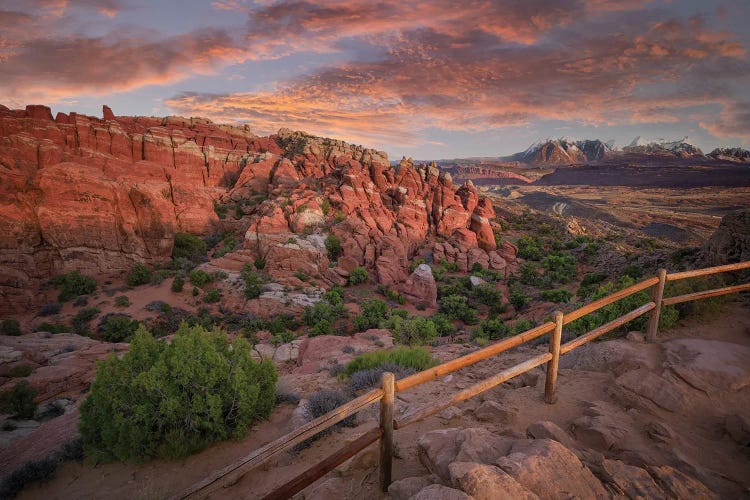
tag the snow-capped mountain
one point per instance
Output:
(563, 151)
(681, 148)
(731, 154)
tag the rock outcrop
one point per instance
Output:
(97, 195)
(731, 240)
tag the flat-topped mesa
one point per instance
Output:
(382, 216)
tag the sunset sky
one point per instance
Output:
(428, 79)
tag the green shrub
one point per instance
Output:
(53, 328)
(416, 358)
(634, 271)
(196, 291)
(138, 275)
(358, 275)
(212, 296)
(117, 328)
(529, 248)
(178, 283)
(10, 327)
(259, 264)
(122, 301)
(283, 337)
(589, 282)
(228, 245)
(521, 326)
(188, 246)
(518, 298)
(443, 325)
(199, 277)
(416, 263)
(82, 318)
(322, 327)
(487, 294)
(30, 472)
(253, 282)
(73, 284)
(413, 331)
(20, 371)
(668, 317)
(173, 399)
(457, 307)
(529, 275)
(560, 267)
(325, 206)
(339, 217)
(374, 314)
(491, 329)
(220, 210)
(333, 247)
(49, 309)
(19, 401)
(557, 295)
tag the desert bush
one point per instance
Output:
(529, 248)
(333, 247)
(73, 284)
(457, 307)
(178, 283)
(227, 245)
(557, 295)
(322, 327)
(32, 471)
(199, 277)
(53, 328)
(413, 331)
(443, 325)
(283, 337)
(416, 358)
(325, 206)
(19, 401)
(416, 263)
(589, 282)
(491, 329)
(10, 327)
(49, 309)
(117, 328)
(529, 275)
(138, 275)
(668, 317)
(212, 296)
(518, 298)
(122, 301)
(20, 371)
(321, 402)
(358, 275)
(457, 285)
(560, 267)
(172, 399)
(372, 377)
(374, 314)
(253, 282)
(521, 326)
(487, 294)
(632, 270)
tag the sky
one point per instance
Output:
(426, 79)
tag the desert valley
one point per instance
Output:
(341, 249)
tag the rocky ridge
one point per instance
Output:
(97, 195)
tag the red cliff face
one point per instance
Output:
(79, 192)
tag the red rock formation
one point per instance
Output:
(97, 195)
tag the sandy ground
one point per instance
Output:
(720, 463)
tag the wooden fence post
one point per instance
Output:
(550, 387)
(658, 296)
(386, 425)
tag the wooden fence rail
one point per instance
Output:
(385, 395)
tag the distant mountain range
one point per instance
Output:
(557, 152)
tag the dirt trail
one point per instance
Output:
(700, 446)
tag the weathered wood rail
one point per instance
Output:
(386, 395)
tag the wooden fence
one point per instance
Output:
(386, 394)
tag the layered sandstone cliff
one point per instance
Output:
(97, 195)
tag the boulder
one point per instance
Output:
(420, 287)
(678, 485)
(440, 492)
(404, 489)
(487, 482)
(544, 429)
(631, 481)
(604, 426)
(491, 411)
(438, 449)
(709, 365)
(617, 356)
(639, 386)
(550, 470)
(731, 240)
